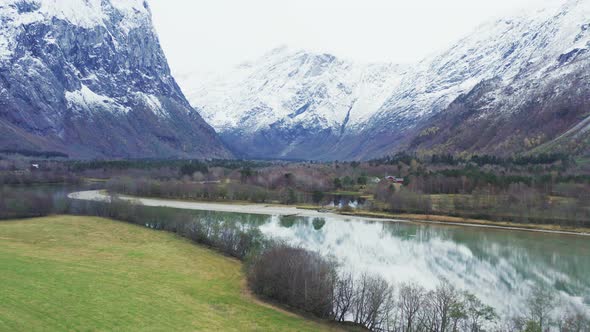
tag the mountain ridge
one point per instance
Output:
(89, 79)
(322, 115)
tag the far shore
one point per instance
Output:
(318, 212)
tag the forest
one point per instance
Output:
(543, 189)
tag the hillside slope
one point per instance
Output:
(89, 78)
(85, 273)
(536, 89)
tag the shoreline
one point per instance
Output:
(469, 222)
(286, 210)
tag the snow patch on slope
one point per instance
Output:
(87, 100)
(87, 14)
(287, 88)
(83, 13)
(153, 104)
(91, 13)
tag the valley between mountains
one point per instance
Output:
(515, 85)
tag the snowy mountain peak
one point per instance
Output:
(510, 48)
(288, 87)
(83, 13)
(303, 103)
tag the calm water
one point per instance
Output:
(500, 267)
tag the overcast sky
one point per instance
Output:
(209, 35)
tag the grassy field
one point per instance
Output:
(73, 273)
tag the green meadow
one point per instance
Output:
(68, 273)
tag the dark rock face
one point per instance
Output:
(551, 114)
(292, 143)
(94, 90)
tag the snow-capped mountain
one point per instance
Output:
(89, 78)
(313, 90)
(275, 105)
(512, 85)
(525, 81)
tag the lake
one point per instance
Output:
(499, 266)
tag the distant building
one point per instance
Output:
(394, 179)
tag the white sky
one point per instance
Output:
(209, 35)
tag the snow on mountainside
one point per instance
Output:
(89, 78)
(88, 14)
(503, 49)
(318, 106)
(294, 88)
(284, 103)
(532, 82)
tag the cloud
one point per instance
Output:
(215, 34)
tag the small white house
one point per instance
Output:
(376, 180)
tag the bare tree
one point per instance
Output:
(344, 297)
(296, 277)
(412, 298)
(541, 304)
(477, 313)
(373, 302)
(446, 307)
(577, 322)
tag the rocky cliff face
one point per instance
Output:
(513, 85)
(90, 79)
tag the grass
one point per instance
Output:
(446, 219)
(96, 180)
(79, 273)
(345, 193)
(439, 201)
(443, 219)
(583, 161)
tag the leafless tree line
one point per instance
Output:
(294, 277)
(191, 190)
(373, 303)
(30, 177)
(517, 203)
(19, 203)
(309, 282)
